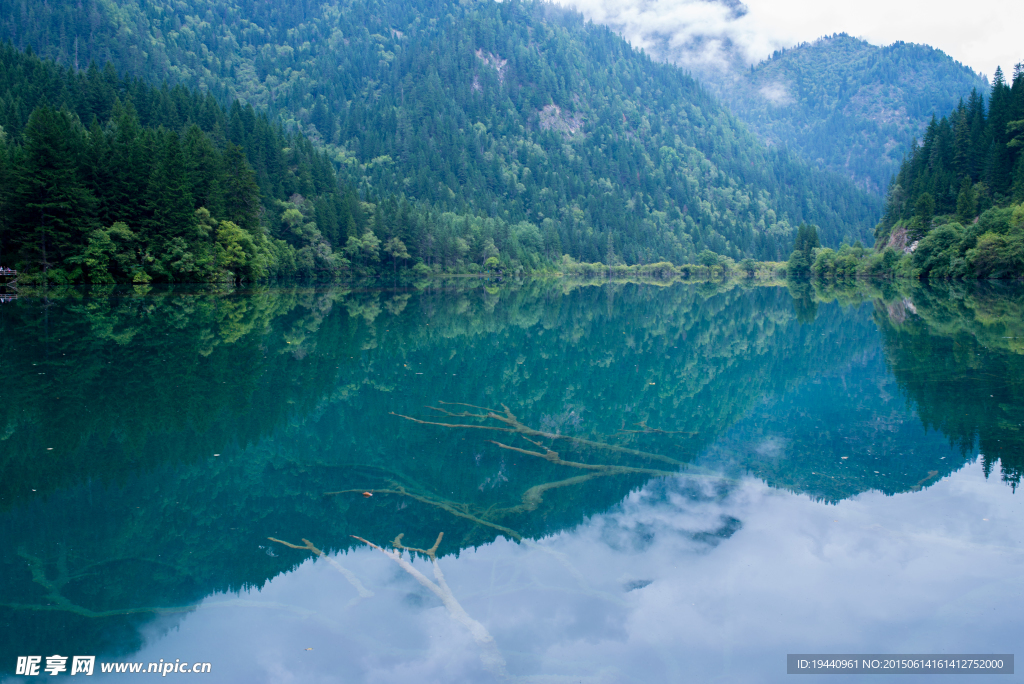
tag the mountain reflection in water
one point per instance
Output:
(587, 452)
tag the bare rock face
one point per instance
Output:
(552, 118)
(898, 241)
(495, 62)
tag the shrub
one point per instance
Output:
(997, 256)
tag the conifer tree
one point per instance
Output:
(999, 161)
(202, 165)
(169, 195)
(924, 209)
(802, 257)
(240, 191)
(50, 200)
(966, 202)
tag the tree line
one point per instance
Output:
(109, 179)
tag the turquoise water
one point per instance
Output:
(634, 483)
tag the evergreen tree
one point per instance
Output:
(966, 202)
(202, 164)
(924, 210)
(240, 191)
(999, 161)
(802, 256)
(170, 198)
(50, 198)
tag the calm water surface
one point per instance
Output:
(634, 483)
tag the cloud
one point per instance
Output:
(702, 34)
(693, 33)
(684, 580)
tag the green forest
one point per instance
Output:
(461, 136)
(107, 179)
(956, 208)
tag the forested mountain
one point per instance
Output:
(847, 105)
(972, 149)
(512, 130)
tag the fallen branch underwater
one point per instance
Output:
(517, 427)
(489, 655)
(532, 497)
(348, 574)
(530, 500)
(61, 603)
(444, 505)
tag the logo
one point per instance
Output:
(55, 664)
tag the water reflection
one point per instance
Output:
(157, 448)
(665, 586)
(958, 355)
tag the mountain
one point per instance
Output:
(849, 106)
(837, 102)
(515, 130)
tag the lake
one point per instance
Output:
(544, 481)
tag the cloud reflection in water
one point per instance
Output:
(683, 580)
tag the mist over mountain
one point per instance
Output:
(849, 106)
(839, 102)
(712, 39)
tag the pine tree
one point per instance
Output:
(999, 160)
(966, 202)
(5, 187)
(802, 257)
(170, 197)
(53, 207)
(240, 191)
(924, 209)
(962, 143)
(129, 167)
(202, 165)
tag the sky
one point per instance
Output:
(982, 35)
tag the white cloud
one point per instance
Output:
(981, 36)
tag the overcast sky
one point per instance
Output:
(982, 34)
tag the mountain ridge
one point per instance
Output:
(852, 107)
